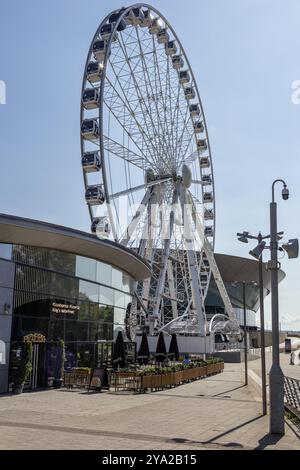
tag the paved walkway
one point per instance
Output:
(288, 370)
(214, 413)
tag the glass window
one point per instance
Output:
(105, 331)
(106, 295)
(119, 316)
(117, 279)
(26, 325)
(86, 268)
(127, 299)
(119, 299)
(83, 313)
(61, 261)
(88, 291)
(5, 251)
(71, 330)
(82, 331)
(104, 273)
(118, 328)
(94, 311)
(93, 333)
(126, 282)
(106, 314)
(56, 330)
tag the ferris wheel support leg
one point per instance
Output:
(137, 216)
(214, 268)
(198, 301)
(172, 288)
(157, 310)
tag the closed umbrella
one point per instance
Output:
(161, 352)
(118, 359)
(173, 349)
(143, 353)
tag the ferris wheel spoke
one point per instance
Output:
(125, 153)
(140, 100)
(153, 93)
(138, 188)
(136, 218)
(184, 127)
(158, 83)
(185, 151)
(138, 135)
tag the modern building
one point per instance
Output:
(58, 283)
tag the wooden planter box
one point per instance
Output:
(133, 382)
(201, 372)
(151, 381)
(168, 380)
(80, 379)
(125, 381)
(178, 377)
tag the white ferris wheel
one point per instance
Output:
(148, 171)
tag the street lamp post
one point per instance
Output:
(258, 254)
(262, 334)
(245, 335)
(276, 375)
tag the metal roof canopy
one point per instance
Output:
(23, 231)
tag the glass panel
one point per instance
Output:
(56, 330)
(71, 330)
(83, 313)
(119, 316)
(104, 273)
(85, 355)
(5, 251)
(119, 299)
(26, 325)
(128, 300)
(106, 314)
(126, 282)
(88, 291)
(117, 281)
(82, 331)
(93, 335)
(118, 328)
(105, 331)
(62, 262)
(86, 268)
(106, 295)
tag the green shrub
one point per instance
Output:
(22, 371)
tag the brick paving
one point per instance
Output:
(213, 413)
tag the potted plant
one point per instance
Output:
(22, 370)
(60, 365)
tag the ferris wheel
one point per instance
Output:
(147, 166)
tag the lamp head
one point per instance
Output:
(257, 251)
(243, 237)
(292, 248)
(285, 193)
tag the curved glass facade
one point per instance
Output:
(63, 296)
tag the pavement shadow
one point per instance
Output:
(268, 440)
(235, 428)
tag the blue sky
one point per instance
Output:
(245, 56)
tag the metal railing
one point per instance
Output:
(292, 394)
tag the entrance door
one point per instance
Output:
(37, 376)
